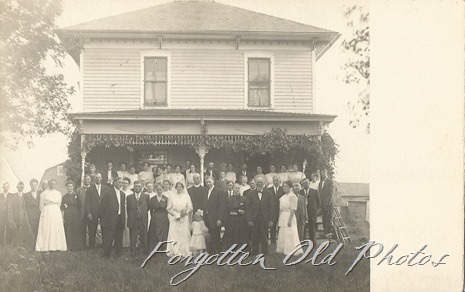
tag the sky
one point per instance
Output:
(331, 94)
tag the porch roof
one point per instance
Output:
(202, 114)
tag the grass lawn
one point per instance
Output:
(23, 270)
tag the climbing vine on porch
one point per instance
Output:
(283, 148)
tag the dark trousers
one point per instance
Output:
(311, 232)
(301, 230)
(2, 231)
(113, 237)
(11, 235)
(84, 233)
(327, 214)
(92, 227)
(214, 245)
(139, 229)
(260, 236)
(273, 232)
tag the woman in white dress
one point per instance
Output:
(146, 174)
(230, 174)
(168, 174)
(269, 176)
(190, 176)
(283, 174)
(132, 175)
(177, 176)
(167, 189)
(295, 176)
(126, 189)
(179, 206)
(51, 233)
(288, 237)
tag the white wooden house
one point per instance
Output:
(151, 78)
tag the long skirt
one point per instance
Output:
(179, 232)
(235, 231)
(73, 228)
(51, 233)
(288, 236)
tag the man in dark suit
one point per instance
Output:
(260, 212)
(301, 215)
(252, 186)
(198, 194)
(93, 198)
(31, 205)
(109, 174)
(277, 192)
(188, 169)
(113, 217)
(15, 215)
(210, 172)
(327, 191)
(138, 207)
(81, 193)
(244, 172)
(221, 183)
(214, 215)
(313, 204)
(3, 210)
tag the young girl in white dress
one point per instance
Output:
(51, 233)
(288, 236)
(197, 244)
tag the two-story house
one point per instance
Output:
(153, 78)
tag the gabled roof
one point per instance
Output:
(195, 17)
(198, 114)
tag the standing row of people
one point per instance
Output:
(149, 213)
(159, 173)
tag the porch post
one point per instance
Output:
(83, 158)
(201, 151)
(131, 155)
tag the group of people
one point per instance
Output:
(141, 210)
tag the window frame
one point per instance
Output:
(258, 55)
(155, 54)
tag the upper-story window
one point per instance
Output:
(259, 82)
(155, 81)
(259, 76)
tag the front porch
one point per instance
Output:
(164, 136)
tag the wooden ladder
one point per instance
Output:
(340, 229)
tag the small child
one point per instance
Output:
(197, 243)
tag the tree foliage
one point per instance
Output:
(73, 164)
(356, 47)
(34, 102)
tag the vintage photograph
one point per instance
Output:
(187, 144)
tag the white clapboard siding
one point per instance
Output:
(199, 79)
(293, 81)
(111, 79)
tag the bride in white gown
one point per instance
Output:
(51, 233)
(179, 205)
